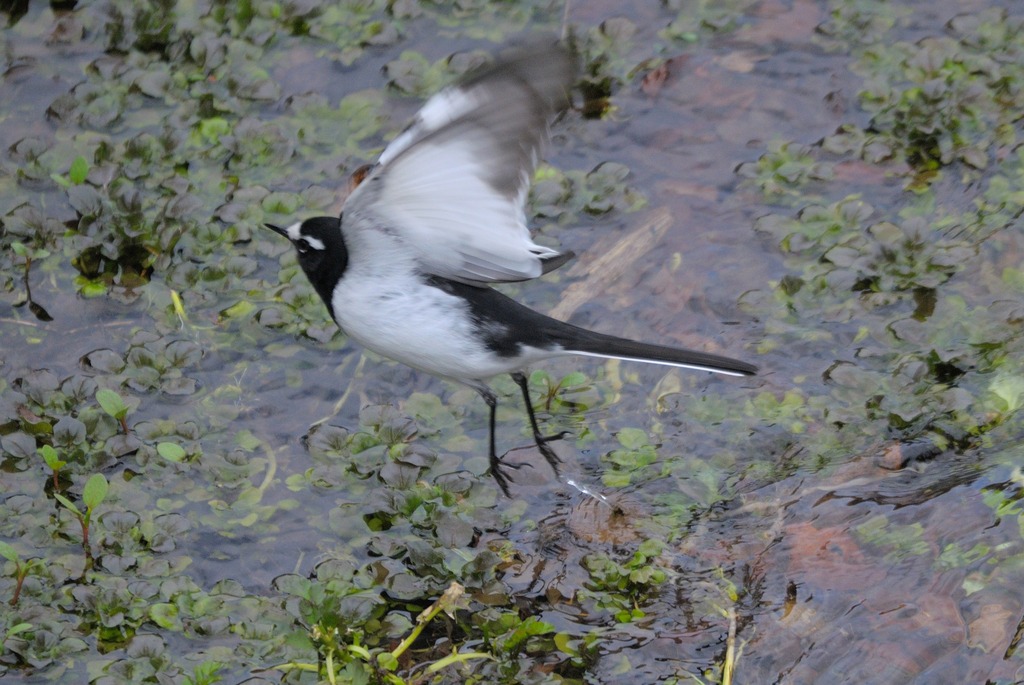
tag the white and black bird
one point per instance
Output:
(406, 269)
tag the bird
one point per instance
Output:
(408, 266)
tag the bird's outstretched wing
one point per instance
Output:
(452, 186)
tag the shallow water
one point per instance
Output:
(780, 503)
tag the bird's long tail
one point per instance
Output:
(509, 325)
(593, 344)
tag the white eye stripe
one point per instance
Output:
(294, 233)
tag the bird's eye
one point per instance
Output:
(302, 245)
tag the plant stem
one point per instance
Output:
(456, 657)
(331, 678)
(84, 521)
(730, 650)
(421, 622)
(20, 574)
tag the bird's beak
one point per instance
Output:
(277, 229)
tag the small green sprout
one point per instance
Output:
(53, 461)
(21, 571)
(112, 403)
(93, 494)
(17, 629)
(77, 173)
(30, 254)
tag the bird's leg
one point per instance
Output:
(541, 440)
(496, 464)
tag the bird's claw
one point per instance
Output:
(503, 480)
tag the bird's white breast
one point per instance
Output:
(383, 303)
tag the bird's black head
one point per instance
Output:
(322, 253)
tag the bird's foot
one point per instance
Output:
(500, 477)
(549, 454)
(545, 439)
(497, 463)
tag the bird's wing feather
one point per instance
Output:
(453, 185)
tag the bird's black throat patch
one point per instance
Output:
(323, 267)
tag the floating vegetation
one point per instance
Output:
(856, 167)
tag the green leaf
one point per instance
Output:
(8, 552)
(68, 504)
(171, 451)
(95, 490)
(573, 379)
(41, 427)
(632, 438)
(164, 615)
(213, 128)
(616, 479)
(247, 441)
(650, 548)
(1010, 390)
(563, 641)
(92, 288)
(79, 170)
(299, 639)
(205, 674)
(111, 403)
(238, 310)
(279, 202)
(19, 248)
(387, 661)
(18, 628)
(51, 458)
